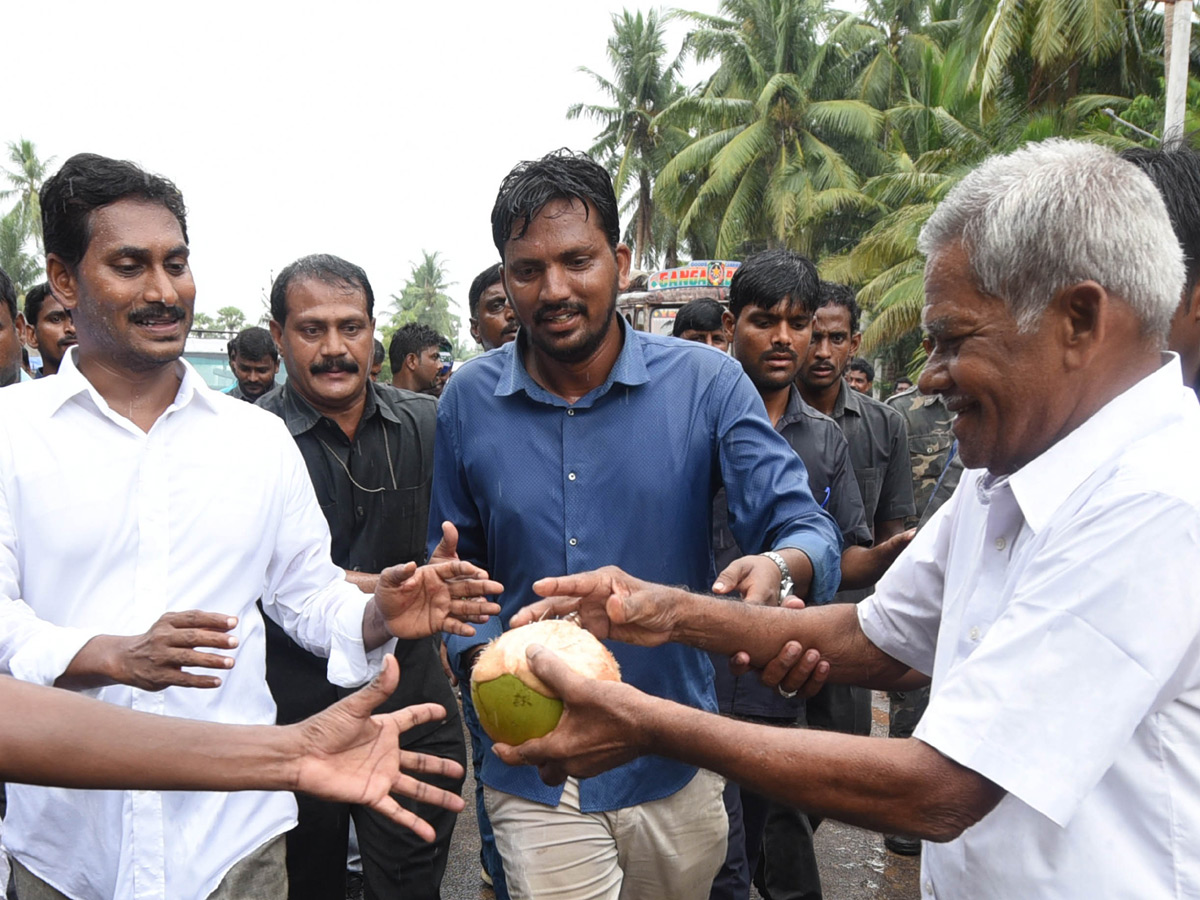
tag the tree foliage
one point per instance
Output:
(836, 134)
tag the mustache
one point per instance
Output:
(340, 364)
(547, 312)
(144, 315)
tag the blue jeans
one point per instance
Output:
(489, 856)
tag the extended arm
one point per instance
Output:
(612, 604)
(896, 786)
(343, 754)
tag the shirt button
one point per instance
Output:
(572, 542)
(974, 633)
(571, 477)
(928, 888)
(1000, 543)
(360, 511)
(570, 412)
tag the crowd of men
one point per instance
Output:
(1006, 549)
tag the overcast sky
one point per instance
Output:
(368, 130)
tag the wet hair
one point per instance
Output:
(858, 364)
(1054, 214)
(561, 175)
(698, 315)
(321, 267)
(834, 294)
(1175, 171)
(412, 338)
(380, 353)
(254, 343)
(483, 281)
(8, 295)
(35, 297)
(86, 182)
(771, 276)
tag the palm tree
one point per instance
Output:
(26, 177)
(632, 143)
(1048, 50)
(424, 299)
(777, 152)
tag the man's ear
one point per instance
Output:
(62, 281)
(624, 259)
(276, 332)
(25, 331)
(730, 323)
(411, 361)
(855, 341)
(1082, 322)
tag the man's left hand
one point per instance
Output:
(598, 729)
(416, 601)
(347, 755)
(756, 578)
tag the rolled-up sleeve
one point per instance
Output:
(766, 485)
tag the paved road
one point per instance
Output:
(854, 863)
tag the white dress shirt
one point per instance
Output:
(103, 528)
(1058, 611)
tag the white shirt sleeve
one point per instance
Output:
(902, 617)
(1098, 628)
(31, 648)
(306, 593)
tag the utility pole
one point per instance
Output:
(1177, 41)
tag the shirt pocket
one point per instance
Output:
(868, 485)
(404, 516)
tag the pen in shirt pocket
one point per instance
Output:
(825, 502)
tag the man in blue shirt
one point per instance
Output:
(584, 443)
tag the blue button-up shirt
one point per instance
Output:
(625, 476)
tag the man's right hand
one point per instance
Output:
(156, 659)
(610, 604)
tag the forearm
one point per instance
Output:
(374, 627)
(95, 745)
(364, 581)
(894, 786)
(93, 666)
(727, 628)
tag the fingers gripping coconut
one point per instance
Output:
(514, 705)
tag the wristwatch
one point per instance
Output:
(785, 573)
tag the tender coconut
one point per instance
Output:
(514, 705)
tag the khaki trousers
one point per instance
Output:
(260, 876)
(667, 849)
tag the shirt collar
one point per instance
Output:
(796, 408)
(629, 369)
(1042, 485)
(299, 415)
(848, 401)
(70, 382)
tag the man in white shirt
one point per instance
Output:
(1053, 600)
(122, 584)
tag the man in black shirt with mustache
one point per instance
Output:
(369, 451)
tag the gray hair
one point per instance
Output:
(1057, 213)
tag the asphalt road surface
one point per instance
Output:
(854, 863)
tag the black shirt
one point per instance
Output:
(819, 442)
(374, 491)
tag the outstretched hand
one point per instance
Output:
(792, 669)
(442, 596)
(598, 730)
(348, 755)
(609, 603)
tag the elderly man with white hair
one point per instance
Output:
(1053, 601)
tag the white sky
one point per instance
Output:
(368, 130)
